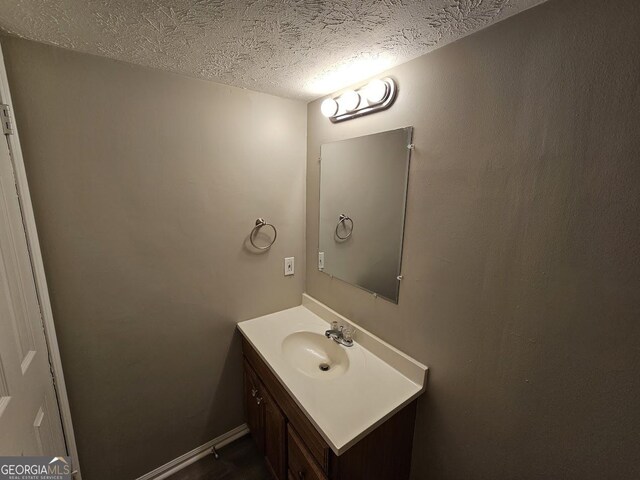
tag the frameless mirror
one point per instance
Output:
(363, 191)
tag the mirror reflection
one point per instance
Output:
(363, 189)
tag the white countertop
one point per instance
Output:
(346, 407)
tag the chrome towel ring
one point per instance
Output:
(260, 222)
(342, 220)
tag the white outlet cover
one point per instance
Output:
(289, 266)
(320, 260)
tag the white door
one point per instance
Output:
(29, 417)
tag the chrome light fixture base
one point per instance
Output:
(365, 107)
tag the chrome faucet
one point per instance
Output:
(340, 334)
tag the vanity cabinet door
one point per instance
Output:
(253, 405)
(266, 422)
(275, 431)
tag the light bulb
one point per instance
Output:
(376, 91)
(350, 100)
(329, 107)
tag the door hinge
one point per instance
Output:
(6, 118)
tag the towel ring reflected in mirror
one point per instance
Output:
(261, 222)
(342, 220)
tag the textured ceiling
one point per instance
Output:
(293, 48)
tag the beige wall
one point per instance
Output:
(145, 186)
(521, 283)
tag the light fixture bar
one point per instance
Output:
(377, 95)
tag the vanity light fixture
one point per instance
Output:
(379, 94)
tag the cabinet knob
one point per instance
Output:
(259, 400)
(254, 392)
(301, 475)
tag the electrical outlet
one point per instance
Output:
(289, 266)
(320, 260)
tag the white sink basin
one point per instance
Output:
(315, 355)
(364, 385)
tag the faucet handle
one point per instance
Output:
(334, 325)
(348, 333)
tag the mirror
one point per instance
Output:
(363, 191)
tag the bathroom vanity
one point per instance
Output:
(319, 410)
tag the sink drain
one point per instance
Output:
(324, 367)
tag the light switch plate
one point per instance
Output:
(320, 260)
(289, 266)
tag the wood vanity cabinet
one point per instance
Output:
(295, 450)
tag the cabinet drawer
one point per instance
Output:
(302, 466)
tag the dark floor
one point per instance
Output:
(239, 460)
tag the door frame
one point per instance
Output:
(37, 266)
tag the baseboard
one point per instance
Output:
(196, 454)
